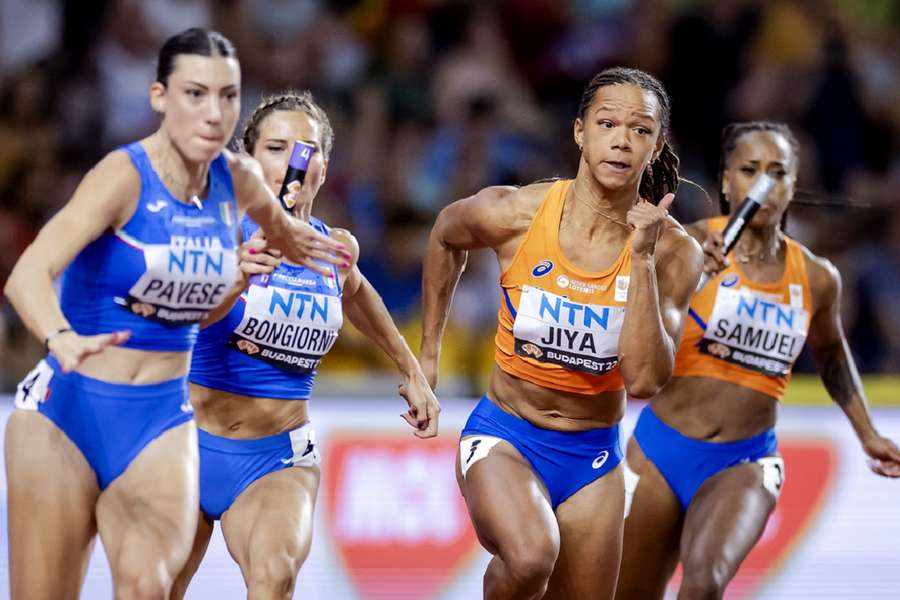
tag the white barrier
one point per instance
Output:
(390, 523)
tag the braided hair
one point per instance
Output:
(287, 101)
(661, 176)
(730, 136)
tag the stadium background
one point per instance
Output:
(434, 99)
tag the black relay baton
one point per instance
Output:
(298, 164)
(742, 217)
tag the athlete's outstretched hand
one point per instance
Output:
(648, 221)
(70, 349)
(884, 454)
(303, 245)
(256, 257)
(423, 406)
(714, 259)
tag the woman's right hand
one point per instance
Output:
(70, 349)
(714, 259)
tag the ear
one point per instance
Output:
(578, 133)
(660, 144)
(158, 97)
(324, 172)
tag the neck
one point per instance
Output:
(596, 207)
(759, 244)
(184, 179)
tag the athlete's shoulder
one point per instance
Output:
(347, 239)
(498, 204)
(114, 176)
(824, 277)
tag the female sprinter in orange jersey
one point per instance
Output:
(595, 287)
(103, 438)
(704, 452)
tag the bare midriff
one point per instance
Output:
(553, 409)
(713, 410)
(245, 417)
(136, 367)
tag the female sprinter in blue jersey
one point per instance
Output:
(104, 439)
(253, 371)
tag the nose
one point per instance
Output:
(620, 139)
(213, 109)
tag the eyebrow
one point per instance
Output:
(228, 87)
(641, 115)
(285, 141)
(774, 162)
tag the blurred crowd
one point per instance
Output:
(433, 99)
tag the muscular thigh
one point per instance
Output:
(507, 502)
(51, 495)
(149, 514)
(652, 532)
(590, 528)
(725, 519)
(274, 514)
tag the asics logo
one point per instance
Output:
(601, 459)
(310, 446)
(157, 206)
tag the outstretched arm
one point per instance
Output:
(297, 240)
(366, 310)
(838, 370)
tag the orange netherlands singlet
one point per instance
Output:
(559, 325)
(745, 332)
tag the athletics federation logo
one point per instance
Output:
(542, 268)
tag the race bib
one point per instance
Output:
(579, 337)
(289, 329)
(183, 280)
(755, 332)
(35, 388)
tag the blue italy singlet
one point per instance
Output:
(271, 342)
(161, 273)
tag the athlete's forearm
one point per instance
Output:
(30, 291)
(443, 266)
(265, 210)
(367, 312)
(646, 350)
(841, 379)
(218, 313)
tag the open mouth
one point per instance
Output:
(616, 165)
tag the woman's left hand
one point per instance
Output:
(423, 406)
(884, 454)
(647, 222)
